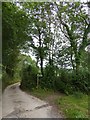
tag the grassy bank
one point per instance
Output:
(6, 83)
(6, 80)
(71, 106)
(74, 106)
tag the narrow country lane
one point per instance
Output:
(18, 104)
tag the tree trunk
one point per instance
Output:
(42, 66)
(72, 60)
(77, 60)
(41, 53)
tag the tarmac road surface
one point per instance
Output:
(18, 104)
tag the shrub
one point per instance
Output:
(7, 80)
(28, 77)
(69, 82)
(49, 77)
(81, 82)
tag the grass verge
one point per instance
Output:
(6, 80)
(72, 106)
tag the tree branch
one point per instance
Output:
(85, 42)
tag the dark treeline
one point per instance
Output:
(57, 35)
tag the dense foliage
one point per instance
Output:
(57, 35)
(13, 37)
(28, 73)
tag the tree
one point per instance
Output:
(28, 72)
(74, 23)
(14, 23)
(38, 30)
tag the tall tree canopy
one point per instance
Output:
(14, 24)
(55, 32)
(59, 32)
